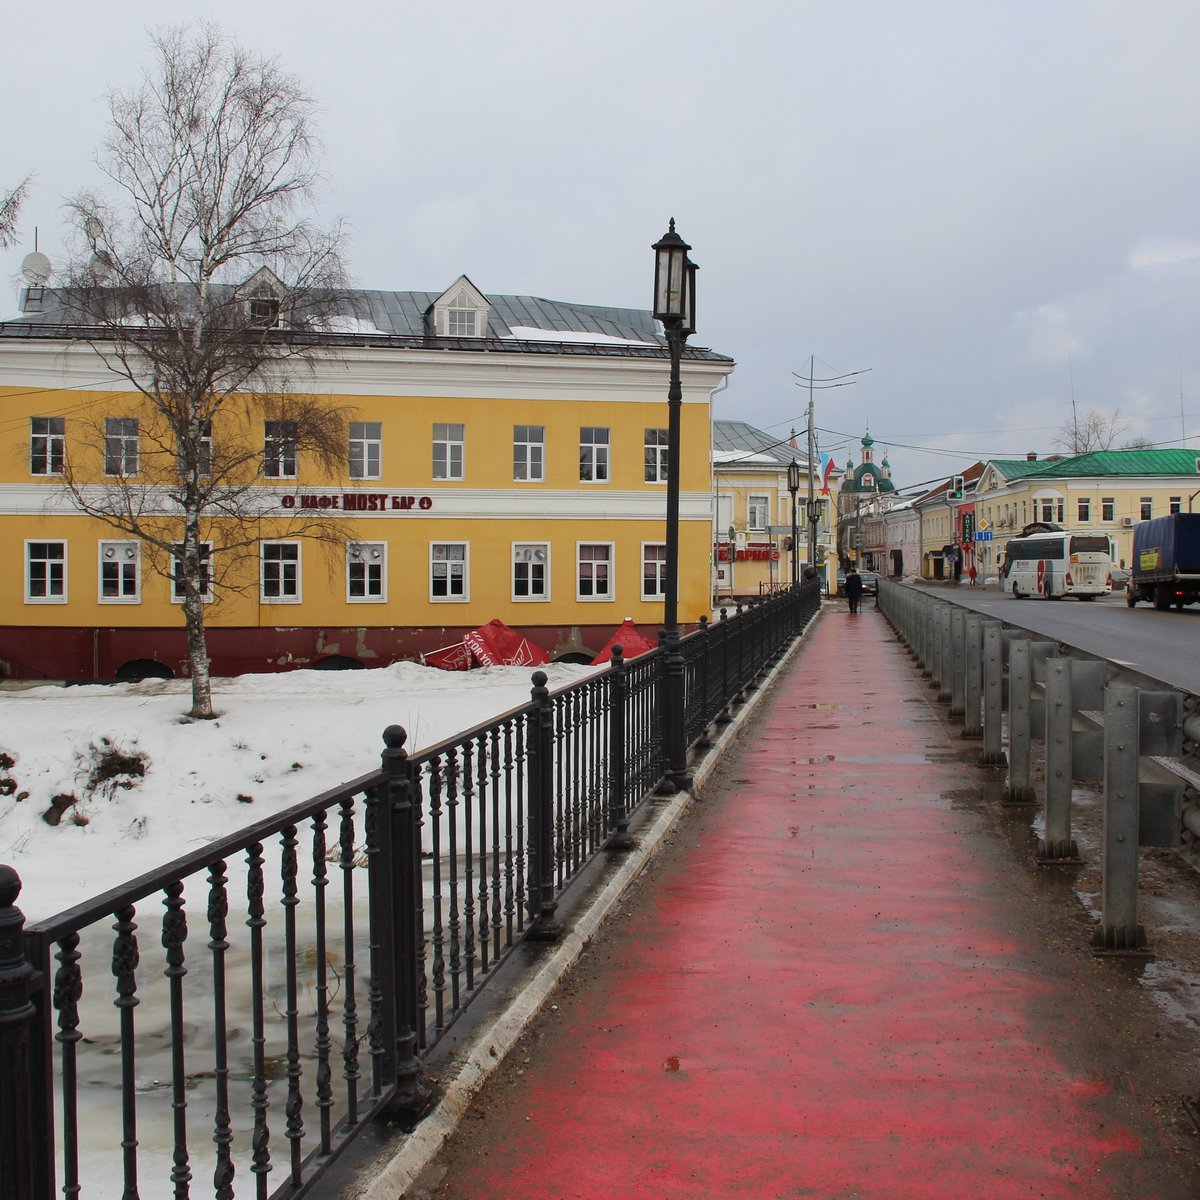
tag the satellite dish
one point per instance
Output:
(36, 268)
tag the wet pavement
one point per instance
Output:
(836, 983)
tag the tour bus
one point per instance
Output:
(1057, 564)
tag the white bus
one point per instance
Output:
(1053, 565)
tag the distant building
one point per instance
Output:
(505, 458)
(866, 493)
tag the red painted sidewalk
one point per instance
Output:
(827, 991)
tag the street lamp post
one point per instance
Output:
(675, 307)
(794, 487)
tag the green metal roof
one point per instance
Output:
(1117, 463)
(1018, 468)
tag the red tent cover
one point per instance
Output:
(496, 645)
(449, 658)
(631, 640)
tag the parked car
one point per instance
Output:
(870, 582)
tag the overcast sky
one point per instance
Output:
(994, 205)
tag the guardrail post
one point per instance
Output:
(1058, 847)
(1119, 931)
(993, 696)
(544, 924)
(958, 662)
(22, 1142)
(412, 1090)
(973, 680)
(702, 685)
(618, 816)
(1020, 681)
(725, 716)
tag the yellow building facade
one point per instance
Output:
(516, 474)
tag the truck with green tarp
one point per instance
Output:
(1165, 570)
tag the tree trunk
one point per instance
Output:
(197, 644)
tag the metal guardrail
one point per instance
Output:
(1080, 720)
(307, 965)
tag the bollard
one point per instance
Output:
(973, 678)
(993, 696)
(1119, 932)
(958, 662)
(1057, 846)
(539, 740)
(945, 654)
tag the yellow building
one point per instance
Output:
(504, 457)
(752, 512)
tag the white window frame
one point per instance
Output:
(48, 444)
(366, 450)
(529, 453)
(119, 553)
(462, 322)
(1108, 508)
(279, 449)
(373, 556)
(519, 549)
(1083, 510)
(449, 437)
(437, 557)
(761, 503)
(121, 447)
(654, 452)
(50, 597)
(294, 596)
(660, 592)
(1174, 504)
(206, 548)
(595, 455)
(1146, 508)
(611, 561)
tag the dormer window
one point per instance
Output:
(460, 311)
(460, 322)
(264, 312)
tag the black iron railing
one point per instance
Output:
(232, 1019)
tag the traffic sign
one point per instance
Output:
(983, 535)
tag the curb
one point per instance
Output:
(487, 1050)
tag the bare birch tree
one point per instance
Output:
(1092, 430)
(10, 209)
(199, 276)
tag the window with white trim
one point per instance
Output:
(47, 445)
(1083, 510)
(529, 453)
(45, 572)
(120, 573)
(120, 446)
(1146, 508)
(757, 511)
(594, 574)
(366, 449)
(655, 450)
(281, 572)
(203, 452)
(449, 449)
(279, 449)
(1108, 508)
(448, 578)
(366, 572)
(654, 571)
(178, 579)
(1174, 504)
(530, 571)
(461, 322)
(593, 454)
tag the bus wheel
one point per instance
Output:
(1017, 595)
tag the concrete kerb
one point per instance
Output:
(487, 1050)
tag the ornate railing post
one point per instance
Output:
(618, 814)
(408, 953)
(544, 925)
(703, 685)
(724, 716)
(22, 1143)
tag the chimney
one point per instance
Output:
(1031, 456)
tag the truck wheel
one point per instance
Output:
(1130, 597)
(1162, 599)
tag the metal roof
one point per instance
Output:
(1117, 463)
(734, 436)
(399, 321)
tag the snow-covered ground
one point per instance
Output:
(278, 740)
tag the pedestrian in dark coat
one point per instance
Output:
(854, 587)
